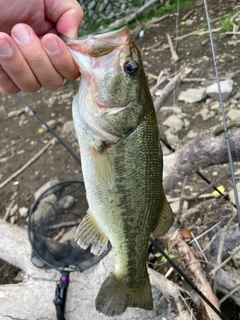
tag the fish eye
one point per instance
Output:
(131, 68)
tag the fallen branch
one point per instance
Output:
(37, 290)
(170, 290)
(199, 276)
(35, 157)
(203, 151)
(235, 27)
(196, 33)
(167, 90)
(175, 57)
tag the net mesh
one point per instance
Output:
(52, 223)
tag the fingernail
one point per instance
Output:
(21, 33)
(5, 49)
(51, 45)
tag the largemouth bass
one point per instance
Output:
(116, 126)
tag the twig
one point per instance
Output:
(199, 247)
(225, 261)
(205, 232)
(181, 202)
(59, 235)
(15, 174)
(168, 89)
(221, 244)
(230, 32)
(196, 33)
(175, 57)
(235, 27)
(8, 210)
(229, 294)
(63, 224)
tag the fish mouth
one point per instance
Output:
(101, 44)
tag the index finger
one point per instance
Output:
(66, 14)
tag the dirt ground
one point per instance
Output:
(21, 137)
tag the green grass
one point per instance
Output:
(226, 25)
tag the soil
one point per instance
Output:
(21, 137)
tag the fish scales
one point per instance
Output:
(121, 157)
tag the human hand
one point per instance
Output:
(31, 54)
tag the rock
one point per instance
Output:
(68, 127)
(192, 95)
(233, 114)
(215, 106)
(174, 123)
(237, 95)
(189, 22)
(226, 89)
(91, 5)
(50, 199)
(101, 7)
(175, 206)
(165, 150)
(233, 101)
(52, 123)
(66, 202)
(173, 109)
(186, 123)
(206, 114)
(192, 134)
(170, 136)
(46, 186)
(23, 212)
(231, 193)
(42, 209)
(16, 113)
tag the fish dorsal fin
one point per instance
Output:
(165, 219)
(103, 167)
(88, 233)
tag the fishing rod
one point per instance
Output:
(153, 242)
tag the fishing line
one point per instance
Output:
(153, 242)
(48, 127)
(223, 111)
(188, 280)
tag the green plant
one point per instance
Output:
(163, 259)
(226, 25)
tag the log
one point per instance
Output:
(33, 298)
(202, 152)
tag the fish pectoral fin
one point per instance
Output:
(103, 167)
(88, 233)
(165, 219)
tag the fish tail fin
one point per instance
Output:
(115, 296)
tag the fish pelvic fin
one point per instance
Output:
(88, 233)
(103, 167)
(115, 296)
(165, 219)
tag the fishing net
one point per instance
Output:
(53, 220)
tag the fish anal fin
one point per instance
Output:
(103, 166)
(165, 219)
(115, 296)
(88, 233)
